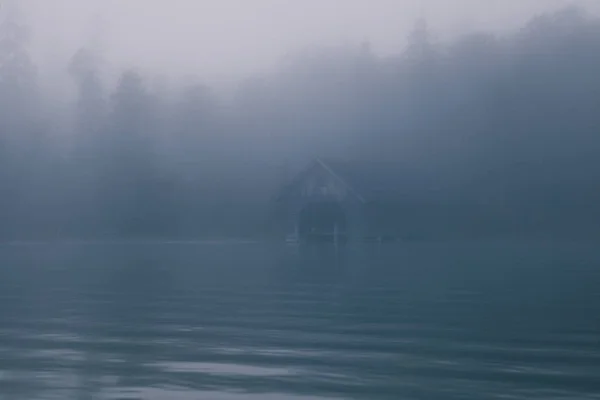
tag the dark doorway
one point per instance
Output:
(319, 221)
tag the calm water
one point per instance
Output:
(255, 321)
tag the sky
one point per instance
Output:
(228, 39)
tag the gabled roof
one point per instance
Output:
(342, 179)
(319, 163)
(370, 181)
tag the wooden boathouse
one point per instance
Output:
(378, 201)
(330, 201)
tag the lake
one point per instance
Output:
(232, 321)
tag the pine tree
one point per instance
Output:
(17, 118)
(17, 73)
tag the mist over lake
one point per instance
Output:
(326, 199)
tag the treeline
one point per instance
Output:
(506, 124)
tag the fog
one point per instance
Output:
(226, 40)
(180, 119)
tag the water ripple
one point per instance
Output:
(251, 322)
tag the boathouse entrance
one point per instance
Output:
(322, 221)
(319, 205)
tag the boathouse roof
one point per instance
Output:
(366, 181)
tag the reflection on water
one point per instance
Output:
(256, 321)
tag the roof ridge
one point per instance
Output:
(330, 170)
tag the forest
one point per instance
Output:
(509, 123)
